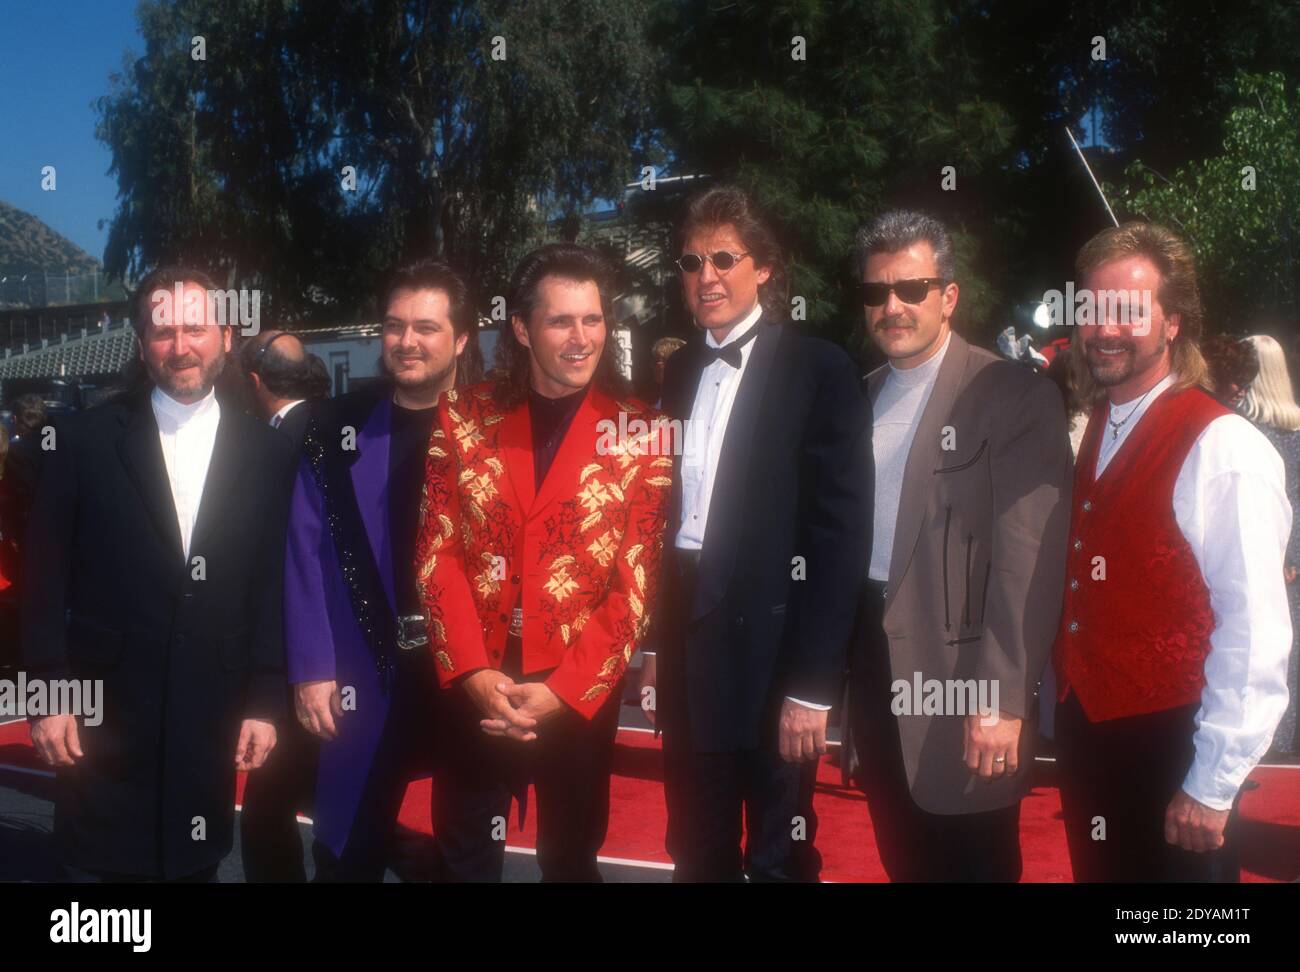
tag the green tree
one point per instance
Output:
(1240, 208)
(467, 125)
(826, 110)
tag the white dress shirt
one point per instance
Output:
(278, 417)
(1230, 505)
(897, 413)
(705, 431)
(187, 434)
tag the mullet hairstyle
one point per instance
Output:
(731, 206)
(1271, 400)
(567, 261)
(429, 274)
(1178, 293)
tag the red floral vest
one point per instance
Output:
(1134, 642)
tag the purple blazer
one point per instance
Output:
(322, 639)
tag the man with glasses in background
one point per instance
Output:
(971, 512)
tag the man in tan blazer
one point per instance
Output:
(964, 589)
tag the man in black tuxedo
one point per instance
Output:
(769, 531)
(279, 372)
(153, 566)
(282, 383)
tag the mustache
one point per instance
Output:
(885, 322)
(176, 364)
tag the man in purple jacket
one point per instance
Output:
(356, 644)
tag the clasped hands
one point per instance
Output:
(511, 709)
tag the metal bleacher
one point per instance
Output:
(96, 350)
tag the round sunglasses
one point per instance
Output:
(722, 261)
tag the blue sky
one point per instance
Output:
(55, 59)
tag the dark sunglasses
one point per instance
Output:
(722, 261)
(909, 291)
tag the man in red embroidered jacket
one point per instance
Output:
(1172, 652)
(538, 558)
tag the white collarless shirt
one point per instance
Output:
(706, 429)
(1230, 505)
(187, 434)
(896, 414)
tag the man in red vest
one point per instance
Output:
(543, 516)
(1172, 651)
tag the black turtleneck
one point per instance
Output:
(409, 439)
(551, 418)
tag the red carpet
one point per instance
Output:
(1270, 824)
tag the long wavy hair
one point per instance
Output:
(1271, 398)
(567, 261)
(1178, 293)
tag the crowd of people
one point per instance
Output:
(448, 574)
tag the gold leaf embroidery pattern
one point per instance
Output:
(594, 495)
(444, 660)
(467, 435)
(560, 585)
(603, 548)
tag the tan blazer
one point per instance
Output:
(978, 563)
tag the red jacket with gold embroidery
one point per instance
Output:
(584, 551)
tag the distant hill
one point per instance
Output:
(27, 244)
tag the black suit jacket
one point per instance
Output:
(794, 480)
(108, 595)
(294, 424)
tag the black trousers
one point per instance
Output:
(569, 765)
(406, 751)
(716, 800)
(915, 845)
(269, 840)
(77, 875)
(1117, 778)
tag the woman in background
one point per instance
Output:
(1270, 404)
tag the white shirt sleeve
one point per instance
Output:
(816, 707)
(1231, 506)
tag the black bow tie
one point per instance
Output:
(729, 353)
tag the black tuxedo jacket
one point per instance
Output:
(794, 480)
(185, 652)
(294, 424)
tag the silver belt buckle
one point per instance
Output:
(517, 622)
(412, 631)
